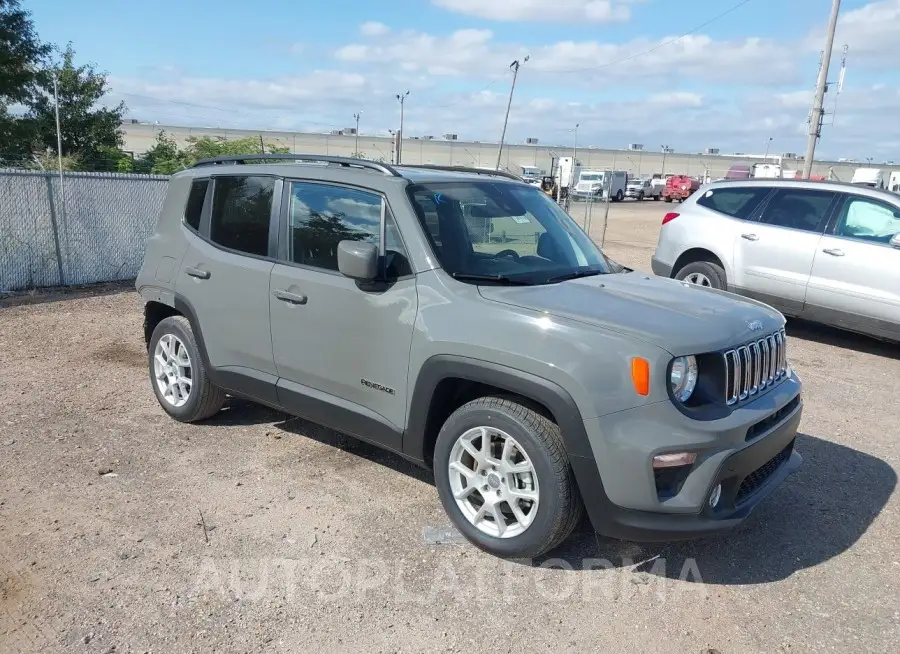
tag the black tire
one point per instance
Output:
(205, 399)
(560, 508)
(640, 196)
(619, 195)
(712, 271)
(667, 199)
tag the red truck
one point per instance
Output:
(678, 187)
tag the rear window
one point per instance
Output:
(734, 202)
(194, 206)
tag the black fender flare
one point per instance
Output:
(532, 387)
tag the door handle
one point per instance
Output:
(750, 237)
(287, 296)
(196, 272)
(835, 252)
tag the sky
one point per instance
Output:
(691, 74)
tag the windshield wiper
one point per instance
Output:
(576, 274)
(499, 279)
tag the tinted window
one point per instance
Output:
(508, 232)
(868, 220)
(736, 202)
(798, 209)
(194, 206)
(321, 216)
(241, 210)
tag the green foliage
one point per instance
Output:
(165, 158)
(89, 131)
(21, 54)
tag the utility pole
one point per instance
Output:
(515, 69)
(815, 119)
(401, 97)
(356, 147)
(665, 151)
(574, 154)
(768, 144)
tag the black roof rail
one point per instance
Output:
(298, 158)
(466, 169)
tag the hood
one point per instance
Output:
(679, 317)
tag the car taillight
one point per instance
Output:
(669, 217)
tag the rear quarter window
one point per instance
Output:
(734, 202)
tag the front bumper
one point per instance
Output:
(618, 485)
(633, 193)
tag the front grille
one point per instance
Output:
(757, 479)
(755, 366)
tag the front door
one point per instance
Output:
(224, 276)
(341, 347)
(855, 280)
(773, 256)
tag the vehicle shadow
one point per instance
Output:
(810, 331)
(817, 513)
(244, 413)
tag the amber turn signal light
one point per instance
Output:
(640, 375)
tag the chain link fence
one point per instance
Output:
(83, 229)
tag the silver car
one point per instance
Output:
(823, 251)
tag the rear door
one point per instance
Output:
(224, 275)
(773, 255)
(341, 346)
(855, 279)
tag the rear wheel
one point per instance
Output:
(703, 273)
(619, 195)
(178, 374)
(504, 479)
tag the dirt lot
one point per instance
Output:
(310, 540)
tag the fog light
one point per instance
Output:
(674, 460)
(715, 496)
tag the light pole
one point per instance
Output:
(665, 151)
(574, 154)
(356, 147)
(515, 69)
(401, 98)
(815, 118)
(768, 143)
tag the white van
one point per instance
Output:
(592, 182)
(894, 183)
(873, 177)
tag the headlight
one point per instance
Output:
(683, 377)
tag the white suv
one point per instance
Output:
(823, 251)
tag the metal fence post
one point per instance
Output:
(53, 225)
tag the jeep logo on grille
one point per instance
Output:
(755, 326)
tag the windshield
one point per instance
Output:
(590, 177)
(510, 232)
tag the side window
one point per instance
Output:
(322, 215)
(868, 220)
(737, 202)
(241, 211)
(801, 209)
(194, 207)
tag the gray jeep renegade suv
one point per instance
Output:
(461, 319)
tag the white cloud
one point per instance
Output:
(872, 33)
(374, 28)
(595, 11)
(676, 99)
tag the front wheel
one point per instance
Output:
(504, 479)
(703, 273)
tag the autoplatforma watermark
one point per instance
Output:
(480, 579)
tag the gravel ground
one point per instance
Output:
(124, 531)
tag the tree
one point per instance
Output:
(21, 56)
(163, 157)
(90, 132)
(21, 53)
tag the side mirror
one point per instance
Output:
(358, 260)
(895, 241)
